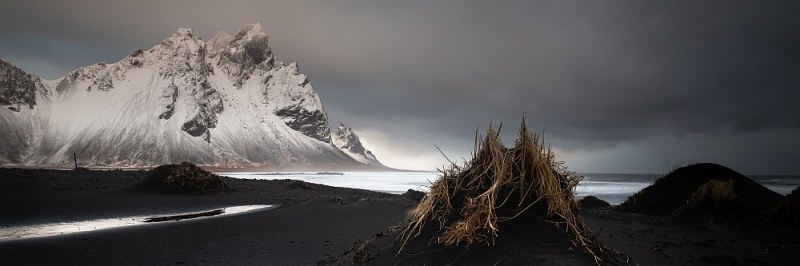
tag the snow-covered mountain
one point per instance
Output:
(226, 102)
(347, 140)
(24, 98)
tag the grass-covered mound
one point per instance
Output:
(592, 202)
(672, 191)
(184, 177)
(189, 177)
(508, 206)
(787, 211)
(713, 193)
(718, 198)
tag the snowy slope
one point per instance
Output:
(21, 119)
(347, 140)
(226, 102)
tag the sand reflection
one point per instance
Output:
(52, 229)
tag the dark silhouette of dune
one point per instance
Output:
(672, 191)
(184, 177)
(787, 211)
(592, 202)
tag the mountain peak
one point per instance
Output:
(181, 39)
(226, 102)
(17, 88)
(347, 140)
(252, 27)
(220, 40)
(250, 31)
(240, 56)
(184, 32)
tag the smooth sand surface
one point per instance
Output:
(313, 223)
(652, 240)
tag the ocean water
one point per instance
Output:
(781, 184)
(389, 182)
(613, 188)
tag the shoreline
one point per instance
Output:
(314, 223)
(299, 168)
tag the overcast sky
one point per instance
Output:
(617, 86)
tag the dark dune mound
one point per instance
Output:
(712, 193)
(716, 198)
(153, 181)
(787, 211)
(672, 191)
(592, 202)
(299, 184)
(508, 206)
(519, 242)
(414, 195)
(185, 177)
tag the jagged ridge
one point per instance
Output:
(17, 88)
(227, 102)
(347, 140)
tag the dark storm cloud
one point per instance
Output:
(622, 79)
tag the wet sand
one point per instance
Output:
(313, 223)
(655, 240)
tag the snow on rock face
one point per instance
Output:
(181, 64)
(17, 88)
(347, 140)
(227, 102)
(169, 95)
(220, 41)
(294, 100)
(242, 54)
(22, 97)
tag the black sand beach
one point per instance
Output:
(653, 240)
(314, 223)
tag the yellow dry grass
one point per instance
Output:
(470, 203)
(188, 177)
(787, 211)
(713, 192)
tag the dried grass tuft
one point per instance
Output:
(713, 193)
(787, 211)
(714, 197)
(469, 204)
(188, 177)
